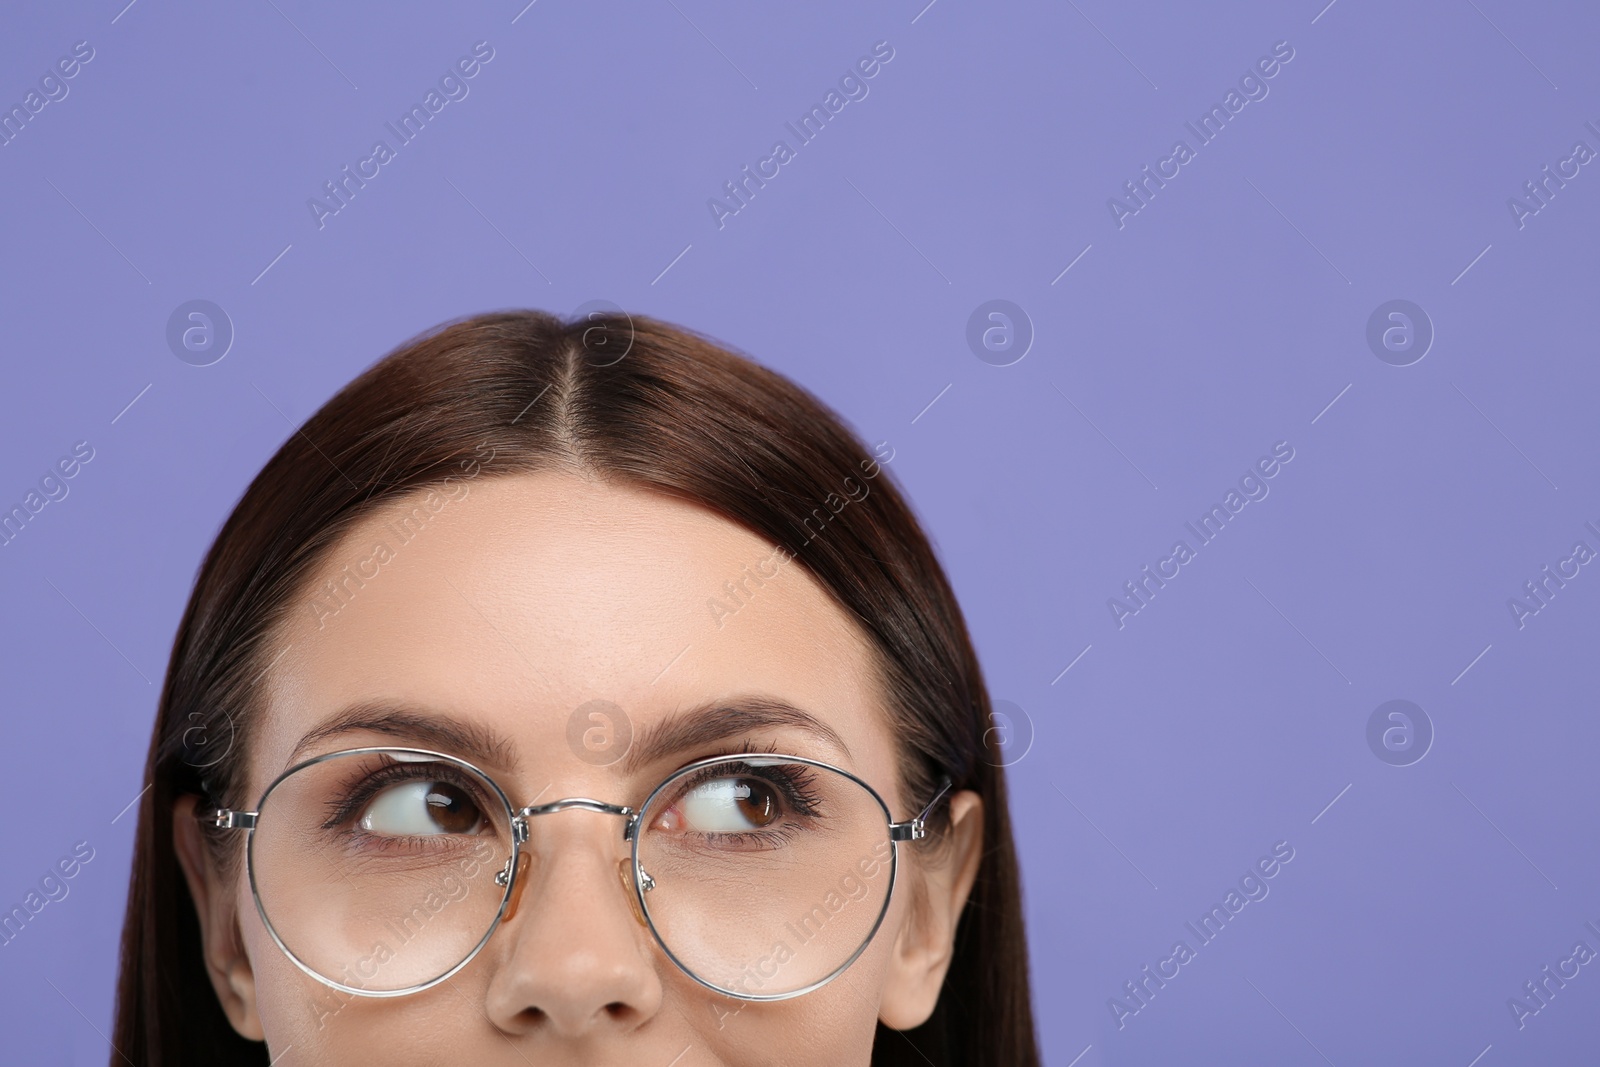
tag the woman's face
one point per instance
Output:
(517, 601)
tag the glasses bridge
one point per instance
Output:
(519, 822)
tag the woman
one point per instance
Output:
(573, 692)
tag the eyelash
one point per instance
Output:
(796, 786)
(393, 773)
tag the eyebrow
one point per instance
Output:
(719, 720)
(681, 731)
(409, 722)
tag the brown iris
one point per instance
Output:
(757, 801)
(452, 809)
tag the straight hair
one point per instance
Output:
(640, 402)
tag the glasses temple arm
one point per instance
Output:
(916, 829)
(226, 818)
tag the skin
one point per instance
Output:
(522, 598)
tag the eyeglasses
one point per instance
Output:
(384, 871)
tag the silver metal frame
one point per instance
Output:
(914, 829)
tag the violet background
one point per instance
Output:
(1225, 316)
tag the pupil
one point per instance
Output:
(451, 808)
(757, 802)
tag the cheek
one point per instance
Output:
(828, 1027)
(318, 1026)
(287, 999)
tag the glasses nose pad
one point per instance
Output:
(625, 872)
(514, 872)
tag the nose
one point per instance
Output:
(576, 963)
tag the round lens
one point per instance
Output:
(763, 876)
(376, 869)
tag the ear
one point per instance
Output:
(926, 942)
(215, 904)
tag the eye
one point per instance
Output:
(420, 809)
(725, 805)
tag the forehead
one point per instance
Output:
(512, 601)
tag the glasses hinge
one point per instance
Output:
(228, 819)
(917, 828)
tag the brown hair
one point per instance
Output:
(633, 399)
